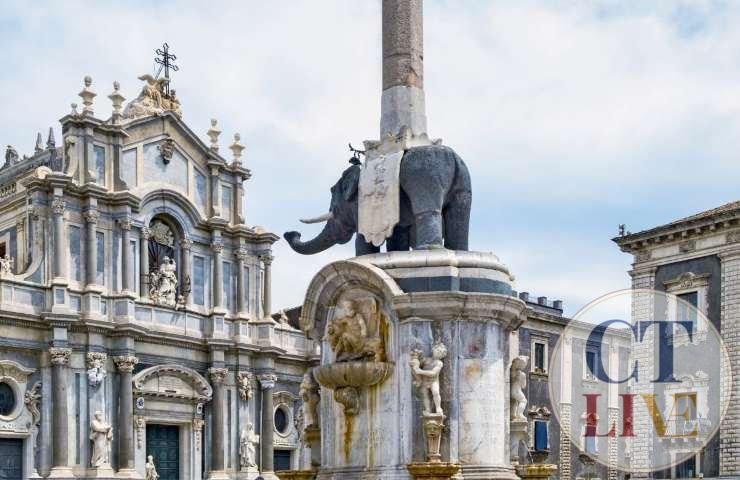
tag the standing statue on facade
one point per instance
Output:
(247, 447)
(150, 470)
(310, 396)
(518, 384)
(426, 372)
(163, 283)
(101, 434)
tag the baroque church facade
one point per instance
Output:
(135, 305)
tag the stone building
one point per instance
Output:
(135, 304)
(697, 259)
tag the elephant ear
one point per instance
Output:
(350, 181)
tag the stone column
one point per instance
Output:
(91, 250)
(186, 244)
(125, 224)
(267, 293)
(57, 207)
(126, 460)
(21, 245)
(217, 425)
(240, 219)
(60, 442)
(242, 254)
(217, 246)
(402, 101)
(144, 237)
(267, 385)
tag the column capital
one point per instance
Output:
(124, 223)
(58, 205)
(186, 243)
(266, 258)
(91, 216)
(93, 359)
(125, 363)
(217, 246)
(242, 253)
(218, 374)
(146, 233)
(267, 380)
(60, 356)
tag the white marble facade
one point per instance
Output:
(86, 328)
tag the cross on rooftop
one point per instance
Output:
(165, 59)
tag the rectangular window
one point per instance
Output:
(591, 366)
(199, 275)
(100, 249)
(99, 164)
(228, 285)
(539, 357)
(74, 253)
(201, 191)
(226, 202)
(686, 309)
(540, 436)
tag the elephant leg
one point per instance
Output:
(428, 230)
(363, 247)
(457, 221)
(400, 240)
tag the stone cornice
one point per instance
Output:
(677, 232)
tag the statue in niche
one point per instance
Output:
(355, 331)
(425, 371)
(518, 384)
(247, 447)
(309, 392)
(150, 470)
(101, 434)
(163, 283)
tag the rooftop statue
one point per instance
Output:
(153, 99)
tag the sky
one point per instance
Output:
(572, 116)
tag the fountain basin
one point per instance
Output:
(352, 374)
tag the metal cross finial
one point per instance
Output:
(166, 61)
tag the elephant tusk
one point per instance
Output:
(319, 219)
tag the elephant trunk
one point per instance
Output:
(321, 242)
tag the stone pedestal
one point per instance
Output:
(518, 434)
(373, 426)
(433, 470)
(536, 471)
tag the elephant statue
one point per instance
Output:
(434, 212)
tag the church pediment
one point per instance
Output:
(172, 381)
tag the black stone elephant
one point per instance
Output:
(435, 202)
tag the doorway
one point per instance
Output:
(11, 458)
(163, 443)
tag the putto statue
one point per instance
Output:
(150, 470)
(163, 283)
(354, 332)
(518, 384)
(247, 447)
(245, 385)
(426, 372)
(310, 396)
(101, 434)
(96, 368)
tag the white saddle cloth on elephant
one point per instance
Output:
(379, 196)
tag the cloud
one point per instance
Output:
(572, 116)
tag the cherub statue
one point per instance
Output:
(426, 376)
(101, 434)
(150, 470)
(518, 384)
